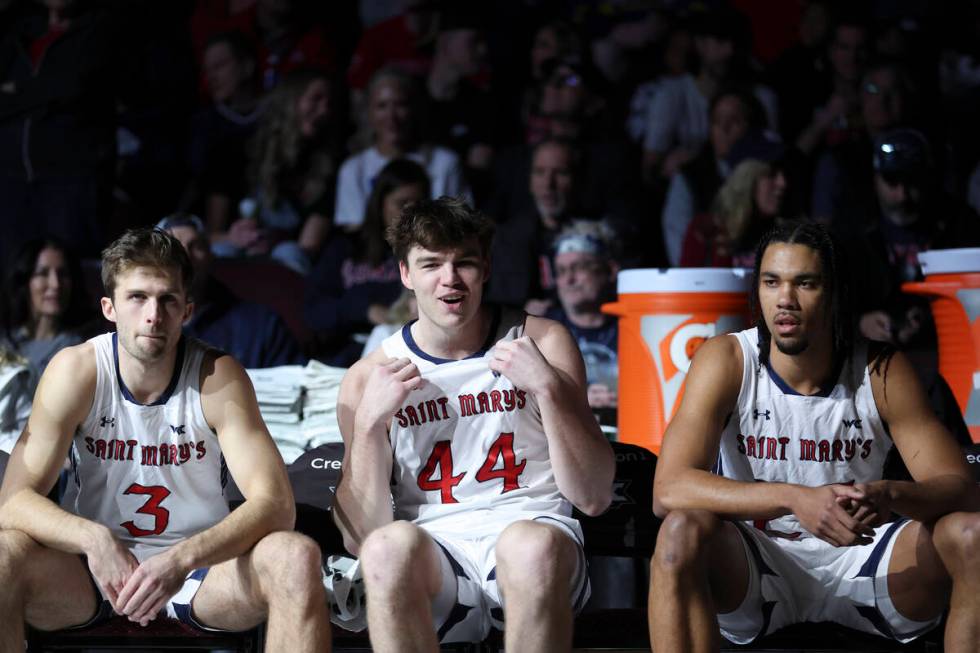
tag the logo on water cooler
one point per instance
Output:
(672, 341)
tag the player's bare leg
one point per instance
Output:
(279, 581)
(402, 577)
(698, 570)
(929, 563)
(50, 589)
(535, 565)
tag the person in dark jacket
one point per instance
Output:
(254, 334)
(60, 76)
(356, 279)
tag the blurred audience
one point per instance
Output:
(692, 189)
(221, 132)
(45, 306)
(908, 212)
(254, 334)
(747, 205)
(585, 278)
(396, 130)
(356, 280)
(287, 216)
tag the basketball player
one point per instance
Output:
(468, 439)
(796, 523)
(149, 419)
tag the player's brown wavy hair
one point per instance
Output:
(145, 247)
(439, 224)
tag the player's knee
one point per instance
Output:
(390, 555)
(290, 562)
(683, 540)
(957, 538)
(534, 551)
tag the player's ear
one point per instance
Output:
(403, 271)
(108, 310)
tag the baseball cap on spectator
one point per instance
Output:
(902, 155)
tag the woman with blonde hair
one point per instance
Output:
(747, 204)
(293, 167)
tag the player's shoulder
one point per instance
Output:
(76, 363)
(543, 329)
(357, 374)
(218, 369)
(719, 359)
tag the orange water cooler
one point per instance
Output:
(664, 315)
(952, 283)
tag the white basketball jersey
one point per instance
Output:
(777, 435)
(153, 474)
(467, 442)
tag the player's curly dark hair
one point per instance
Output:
(439, 224)
(836, 279)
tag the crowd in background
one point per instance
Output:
(599, 135)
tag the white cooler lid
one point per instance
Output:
(684, 280)
(950, 261)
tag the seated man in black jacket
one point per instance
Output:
(254, 334)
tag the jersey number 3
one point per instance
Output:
(161, 516)
(501, 451)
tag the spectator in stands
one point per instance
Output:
(287, 216)
(61, 71)
(678, 116)
(734, 112)
(403, 41)
(356, 280)
(44, 305)
(909, 213)
(396, 131)
(281, 33)
(220, 133)
(585, 278)
(254, 334)
(835, 119)
(747, 205)
(842, 184)
(525, 239)
(460, 113)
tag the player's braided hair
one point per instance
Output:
(836, 279)
(145, 247)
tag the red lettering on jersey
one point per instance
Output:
(201, 450)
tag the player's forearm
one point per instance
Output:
(236, 533)
(581, 456)
(50, 524)
(363, 498)
(930, 499)
(696, 489)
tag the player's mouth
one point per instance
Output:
(786, 324)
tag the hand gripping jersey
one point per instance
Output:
(153, 474)
(470, 453)
(777, 435)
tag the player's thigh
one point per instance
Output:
(918, 583)
(235, 593)
(57, 587)
(728, 567)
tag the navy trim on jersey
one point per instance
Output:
(788, 390)
(870, 567)
(165, 397)
(491, 339)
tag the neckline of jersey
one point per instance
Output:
(165, 397)
(415, 349)
(825, 389)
